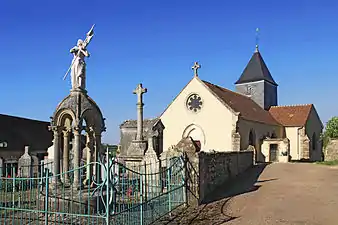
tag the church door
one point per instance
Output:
(273, 153)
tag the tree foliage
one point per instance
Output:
(331, 130)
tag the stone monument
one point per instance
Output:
(136, 149)
(151, 169)
(25, 164)
(76, 115)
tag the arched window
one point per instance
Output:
(314, 141)
(252, 138)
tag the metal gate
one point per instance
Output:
(116, 195)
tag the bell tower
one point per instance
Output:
(257, 82)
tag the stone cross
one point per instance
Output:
(139, 91)
(195, 68)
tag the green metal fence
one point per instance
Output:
(115, 195)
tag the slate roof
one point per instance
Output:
(293, 115)
(19, 132)
(247, 108)
(256, 70)
(133, 123)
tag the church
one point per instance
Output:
(218, 119)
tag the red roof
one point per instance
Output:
(247, 107)
(295, 115)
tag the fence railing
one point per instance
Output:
(113, 194)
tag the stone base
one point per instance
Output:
(137, 148)
(283, 159)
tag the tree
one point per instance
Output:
(331, 131)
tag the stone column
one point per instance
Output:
(65, 161)
(98, 174)
(139, 91)
(56, 159)
(89, 157)
(76, 159)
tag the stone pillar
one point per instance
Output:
(98, 174)
(56, 160)
(139, 91)
(89, 157)
(65, 161)
(76, 159)
(304, 145)
(236, 141)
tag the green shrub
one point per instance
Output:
(331, 131)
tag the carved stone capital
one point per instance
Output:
(67, 131)
(77, 130)
(89, 130)
(55, 129)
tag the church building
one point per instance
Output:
(219, 119)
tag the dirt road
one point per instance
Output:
(281, 194)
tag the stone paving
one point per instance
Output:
(281, 194)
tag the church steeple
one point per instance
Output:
(257, 82)
(256, 70)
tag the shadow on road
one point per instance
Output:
(212, 209)
(243, 183)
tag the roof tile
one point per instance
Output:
(247, 108)
(293, 115)
(256, 70)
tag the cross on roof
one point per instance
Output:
(139, 91)
(195, 68)
(257, 39)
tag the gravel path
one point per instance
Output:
(281, 194)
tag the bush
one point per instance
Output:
(331, 131)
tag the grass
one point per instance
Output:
(328, 163)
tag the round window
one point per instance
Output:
(194, 103)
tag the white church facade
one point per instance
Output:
(218, 119)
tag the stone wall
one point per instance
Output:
(331, 150)
(217, 167)
(304, 145)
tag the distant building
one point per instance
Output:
(16, 133)
(151, 128)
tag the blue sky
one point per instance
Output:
(156, 43)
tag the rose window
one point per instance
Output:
(194, 103)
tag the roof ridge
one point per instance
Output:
(247, 108)
(143, 119)
(24, 118)
(237, 93)
(295, 105)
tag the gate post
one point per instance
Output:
(168, 189)
(46, 196)
(141, 200)
(185, 178)
(108, 173)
